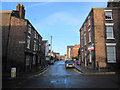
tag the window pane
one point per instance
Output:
(89, 36)
(28, 42)
(108, 15)
(111, 55)
(109, 32)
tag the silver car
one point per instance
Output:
(69, 63)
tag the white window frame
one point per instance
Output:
(111, 44)
(81, 37)
(28, 43)
(88, 20)
(89, 35)
(111, 15)
(82, 31)
(34, 45)
(35, 34)
(90, 56)
(29, 28)
(38, 59)
(85, 39)
(109, 25)
(85, 27)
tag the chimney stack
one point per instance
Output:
(21, 10)
(113, 3)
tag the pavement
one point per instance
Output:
(88, 71)
(7, 81)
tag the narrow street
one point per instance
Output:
(57, 76)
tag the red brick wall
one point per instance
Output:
(16, 50)
(100, 53)
(74, 52)
(5, 29)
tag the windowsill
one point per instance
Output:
(89, 25)
(108, 19)
(89, 42)
(29, 32)
(89, 30)
(110, 38)
(111, 61)
(28, 48)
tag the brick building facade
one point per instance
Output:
(69, 49)
(21, 42)
(45, 49)
(100, 37)
(74, 52)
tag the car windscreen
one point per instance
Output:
(69, 61)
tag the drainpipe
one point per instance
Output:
(93, 40)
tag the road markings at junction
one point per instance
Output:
(77, 71)
(39, 73)
(99, 73)
(31, 77)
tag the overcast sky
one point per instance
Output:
(62, 20)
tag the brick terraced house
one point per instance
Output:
(74, 52)
(21, 43)
(100, 37)
(69, 49)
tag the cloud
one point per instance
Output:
(38, 4)
(60, 18)
(58, 23)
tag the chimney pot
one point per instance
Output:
(21, 10)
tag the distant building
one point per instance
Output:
(69, 49)
(74, 52)
(57, 56)
(65, 56)
(21, 43)
(100, 37)
(62, 58)
(45, 50)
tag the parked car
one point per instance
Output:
(69, 63)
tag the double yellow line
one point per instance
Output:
(77, 71)
(99, 73)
